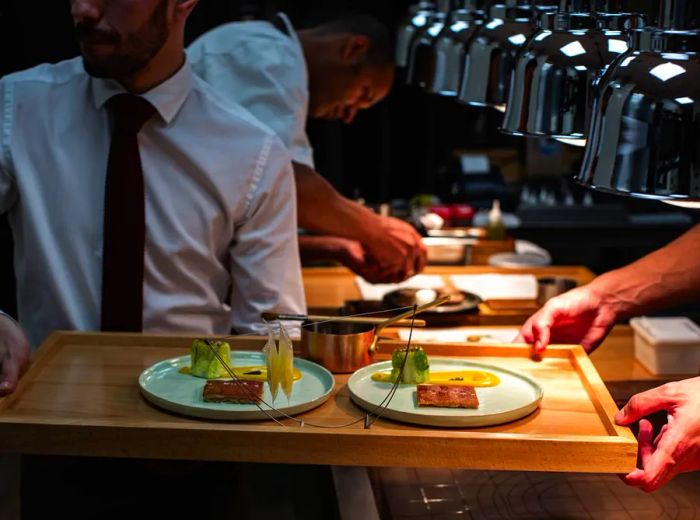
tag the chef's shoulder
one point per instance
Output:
(232, 127)
(247, 47)
(224, 110)
(229, 37)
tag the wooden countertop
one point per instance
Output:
(328, 288)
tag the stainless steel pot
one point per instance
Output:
(343, 347)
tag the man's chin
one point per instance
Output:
(96, 70)
(111, 68)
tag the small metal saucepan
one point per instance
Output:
(343, 347)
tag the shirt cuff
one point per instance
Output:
(303, 156)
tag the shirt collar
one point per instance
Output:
(291, 31)
(167, 98)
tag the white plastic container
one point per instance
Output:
(667, 345)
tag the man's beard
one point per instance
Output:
(134, 51)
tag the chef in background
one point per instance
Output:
(331, 71)
(669, 276)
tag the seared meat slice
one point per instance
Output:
(447, 396)
(233, 391)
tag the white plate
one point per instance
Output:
(163, 385)
(516, 396)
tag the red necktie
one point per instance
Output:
(124, 218)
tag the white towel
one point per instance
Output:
(377, 291)
(497, 286)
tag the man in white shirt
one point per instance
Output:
(218, 238)
(330, 71)
(217, 229)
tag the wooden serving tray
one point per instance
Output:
(80, 397)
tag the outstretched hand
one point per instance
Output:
(579, 316)
(676, 448)
(14, 354)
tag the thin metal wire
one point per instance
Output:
(383, 311)
(367, 418)
(330, 320)
(251, 395)
(399, 378)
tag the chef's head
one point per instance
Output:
(119, 38)
(350, 62)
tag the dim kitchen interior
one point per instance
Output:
(547, 154)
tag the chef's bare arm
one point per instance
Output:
(394, 244)
(666, 277)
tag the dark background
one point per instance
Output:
(403, 146)
(382, 170)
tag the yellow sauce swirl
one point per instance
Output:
(476, 378)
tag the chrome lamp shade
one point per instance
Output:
(421, 59)
(418, 16)
(489, 61)
(645, 132)
(556, 74)
(451, 46)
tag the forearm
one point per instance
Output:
(323, 210)
(666, 277)
(314, 248)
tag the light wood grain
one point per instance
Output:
(328, 288)
(80, 397)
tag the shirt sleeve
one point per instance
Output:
(270, 83)
(265, 265)
(8, 186)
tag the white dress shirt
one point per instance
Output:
(259, 67)
(220, 205)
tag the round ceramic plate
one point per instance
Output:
(516, 396)
(163, 385)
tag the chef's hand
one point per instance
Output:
(353, 256)
(14, 354)
(676, 448)
(580, 316)
(349, 253)
(396, 248)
